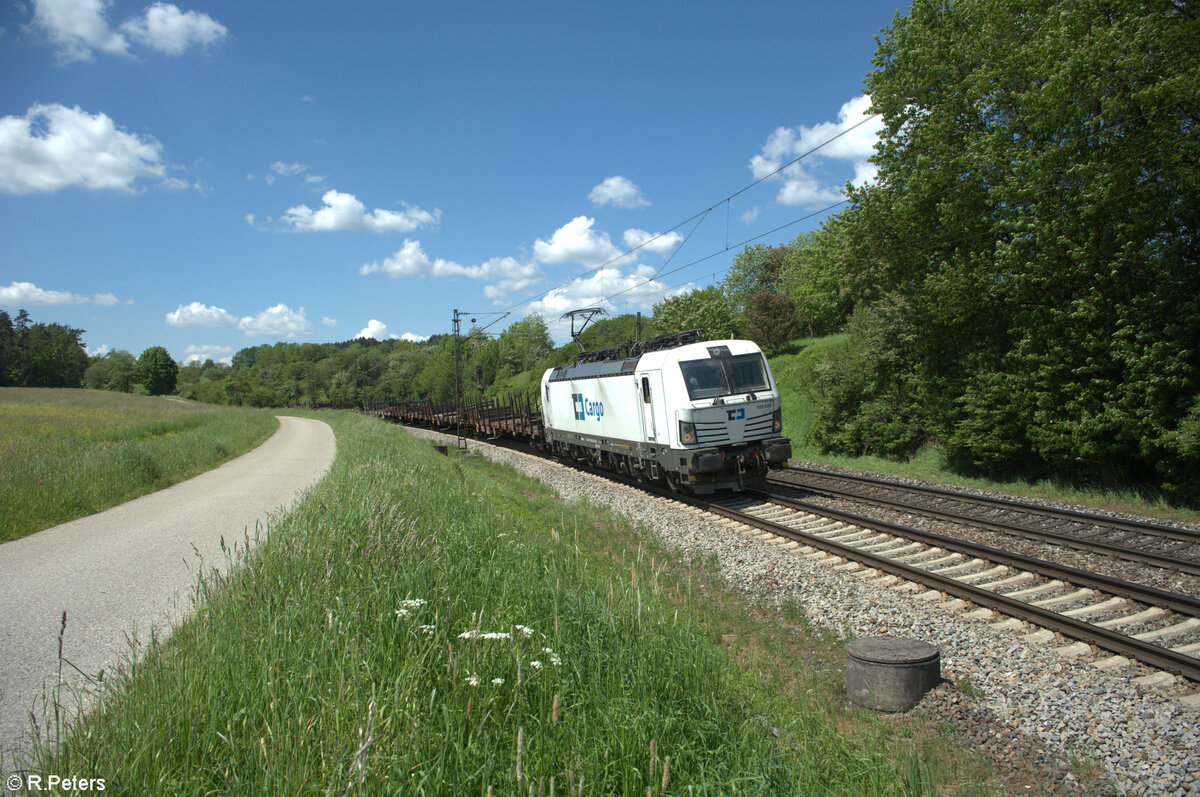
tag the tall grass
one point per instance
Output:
(69, 453)
(425, 624)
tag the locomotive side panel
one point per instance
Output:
(602, 408)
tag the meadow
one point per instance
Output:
(430, 624)
(66, 453)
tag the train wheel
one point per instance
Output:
(672, 481)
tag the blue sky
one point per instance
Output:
(214, 175)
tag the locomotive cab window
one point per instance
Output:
(724, 376)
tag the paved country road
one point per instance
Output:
(132, 567)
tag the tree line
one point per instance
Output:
(39, 354)
(53, 355)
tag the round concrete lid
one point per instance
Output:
(891, 650)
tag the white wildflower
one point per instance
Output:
(497, 682)
(489, 635)
(525, 630)
(554, 659)
(413, 603)
(535, 664)
(473, 680)
(426, 629)
(402, 612)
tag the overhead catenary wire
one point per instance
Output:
(728, 247)
(700, 215)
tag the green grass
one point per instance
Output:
(346, 655)
(65, 454)
(793, 372)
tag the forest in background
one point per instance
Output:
(1019, 285)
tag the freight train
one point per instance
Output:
(692, 414)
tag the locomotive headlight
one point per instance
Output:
(687, 433)
(777, 421)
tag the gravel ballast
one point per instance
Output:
(1020, 701)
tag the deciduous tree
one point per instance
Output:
(706, 309)
(157, 371)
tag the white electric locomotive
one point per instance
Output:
(701, 415)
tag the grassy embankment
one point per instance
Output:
(65, 454)
(794, 374)
(422, 623)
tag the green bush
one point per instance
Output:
(870, 397)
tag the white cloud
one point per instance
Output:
(326, 321)
(99, 351)
(618, 191)
(506, 274)
(53, 147)
(375, 329)
(800, 185)
(637, 291)
(79, 27)
(663, 244)
(281, 169)
(802, 188)
(408, 261)
(279, 321)
(169, 30)
(198, 353)
(576, 242)
(26, 294)
(288, 169)
(341, 211)
(197, 314)
(379, 331)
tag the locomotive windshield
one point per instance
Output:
(724, 376)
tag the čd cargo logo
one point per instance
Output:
(585, 409)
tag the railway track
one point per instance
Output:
(1150, 544)
(1131, 621)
